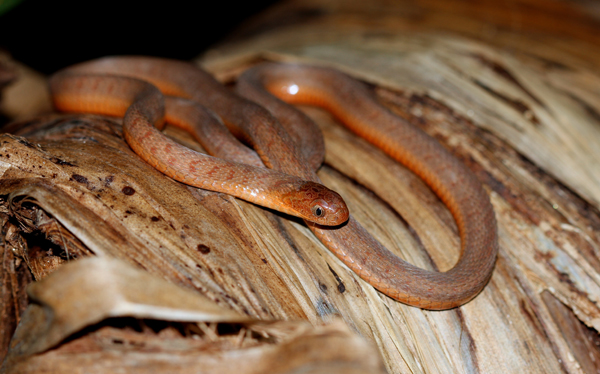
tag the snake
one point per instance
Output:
(290, 145)
(144, 110)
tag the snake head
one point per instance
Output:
(321, 205)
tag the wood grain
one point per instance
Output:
(509, 88)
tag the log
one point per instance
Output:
(509, 89)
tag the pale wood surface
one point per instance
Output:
(509, 88)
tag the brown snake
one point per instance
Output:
(288, 149)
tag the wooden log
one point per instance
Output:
(510, 89)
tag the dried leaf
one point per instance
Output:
(118, 290)
(86, 292)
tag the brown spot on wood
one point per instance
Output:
(203, 249)
(60, 162)
(128, 190)
(154, 219)
(108, 180)
(341, 287)
(544, 257)
(79, 178)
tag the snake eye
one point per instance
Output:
(318, 211)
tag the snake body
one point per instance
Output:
(284, 148)
(142, 106)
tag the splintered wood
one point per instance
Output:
(105, 197)
(511, 89)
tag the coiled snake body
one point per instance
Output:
(293, 149)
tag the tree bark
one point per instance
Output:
(508, 88)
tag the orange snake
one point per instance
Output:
(294, 154)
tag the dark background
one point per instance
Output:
(48, 35)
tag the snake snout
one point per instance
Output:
(321, 205)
